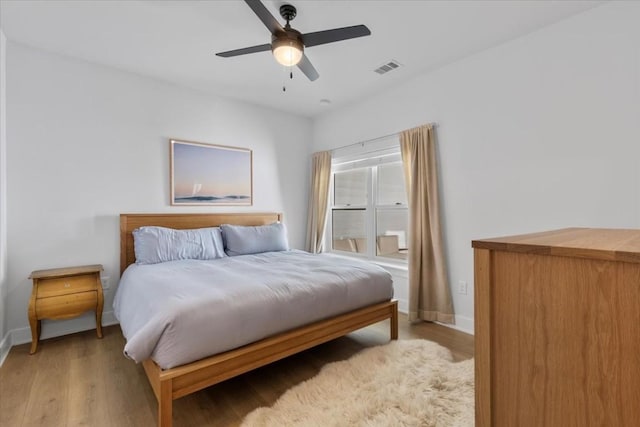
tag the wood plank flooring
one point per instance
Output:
(79, 380)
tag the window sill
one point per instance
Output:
(392, 265)
(400, 266)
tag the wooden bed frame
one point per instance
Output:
(180, 381)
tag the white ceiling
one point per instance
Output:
(176, 40)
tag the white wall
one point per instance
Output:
(4, 342)
(88, 142)
(539, 133)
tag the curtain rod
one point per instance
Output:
(375, 139)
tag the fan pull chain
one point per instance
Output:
(284, 86)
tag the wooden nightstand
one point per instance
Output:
(63, 293)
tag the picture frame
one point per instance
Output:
(210, 175)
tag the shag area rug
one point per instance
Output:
(403, 383)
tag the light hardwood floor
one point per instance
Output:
(78, 380)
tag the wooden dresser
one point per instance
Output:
(557, 329)
(62, 293)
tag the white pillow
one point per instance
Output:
(244, 240)
(153, 245)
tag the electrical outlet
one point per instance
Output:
(462, 287)
(106, 284)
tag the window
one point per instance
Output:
(368, 208)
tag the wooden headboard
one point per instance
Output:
(129, 222)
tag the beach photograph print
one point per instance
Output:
(206, 174)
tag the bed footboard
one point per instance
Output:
(177, 382)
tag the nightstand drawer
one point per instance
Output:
(61, 307)
(66, 285)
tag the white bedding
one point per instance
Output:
(181, 311)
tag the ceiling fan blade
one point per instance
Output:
(244, 51)
(307, 68)
(265, 16)
(335, 35)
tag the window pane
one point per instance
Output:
(349, 230)
(350, 188)
(392, 229)
(391, 190)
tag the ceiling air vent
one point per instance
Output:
(389, 66)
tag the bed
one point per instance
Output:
(178, 381)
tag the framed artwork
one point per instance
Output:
(206, 174)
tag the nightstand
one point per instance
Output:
(63, 293)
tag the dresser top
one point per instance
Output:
(594, 243)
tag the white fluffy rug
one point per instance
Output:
(403, 383)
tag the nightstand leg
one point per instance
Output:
(99, 323)
(34, 323)
(99, 313)
(35, 333)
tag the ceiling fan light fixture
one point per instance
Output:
(287, 52)
(287, 43)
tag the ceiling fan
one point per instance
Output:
(287, 44)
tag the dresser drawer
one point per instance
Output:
(51, 287)
(65, 306)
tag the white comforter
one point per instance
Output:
(181, 311)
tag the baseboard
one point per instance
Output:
(62, 327)
(463, 324)
(5, 346)
(403, 306)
